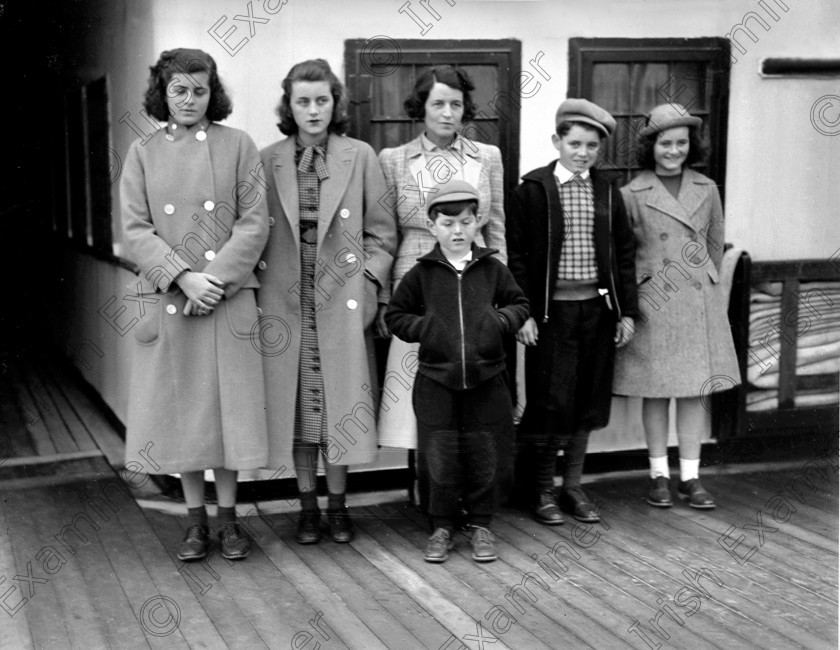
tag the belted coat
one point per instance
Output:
(683, 338)
(356, 242)
(197, 394)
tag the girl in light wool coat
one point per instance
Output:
(683, 342)
(195, 222)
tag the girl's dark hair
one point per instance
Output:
(453, 77)
(185, 61)
(566, 125)
(453, 208)
(313, 70)
(698, 149)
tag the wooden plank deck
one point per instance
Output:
(50, 431)
(641, 578)
(83, 564)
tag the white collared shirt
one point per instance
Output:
(563, 175)
(461, 264)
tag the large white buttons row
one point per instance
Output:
(170, 209)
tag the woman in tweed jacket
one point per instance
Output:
(441, 98)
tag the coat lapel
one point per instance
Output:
(662, 200)
(285, 180)
(472, 168)
(417, 169)
(693, 192)
(341, 156)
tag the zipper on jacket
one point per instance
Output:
(461, 320)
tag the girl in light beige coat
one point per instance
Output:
(195, 221)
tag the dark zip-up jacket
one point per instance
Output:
(535, 236)
(459, 318)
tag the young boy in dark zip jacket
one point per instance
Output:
(459, 303)
(571, 249)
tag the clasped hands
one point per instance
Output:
(203, 292)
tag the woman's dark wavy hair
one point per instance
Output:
(698, 148)
(453, 77)
(185, 61)
(313, 70)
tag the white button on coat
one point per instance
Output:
(170, 137)
(169, 208)
(201, 136)
(352, 304)
(271, 221)
(171, 309)
(209, 205)
(344, 214)
(210, 256)
(350, 258)
(262, 265)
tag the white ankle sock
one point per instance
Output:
(659, 466)
(689, 469)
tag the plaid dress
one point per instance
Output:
(310, 423)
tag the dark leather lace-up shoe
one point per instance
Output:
(309, 527)
(194, 545)
(235, 543)
(546, 511)
(341, 526)
(659, 493)
(695, 494)
(574, 501)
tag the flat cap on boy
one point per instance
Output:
(668, 116)
(454, 190)
(582, 110)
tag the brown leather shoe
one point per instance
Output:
(659, 493)
(235, 544)
(439, 545)
(309, 527)
(574, 501)
(483, 546)
(194, 545)
(695, 494)
(546, 511)
(341, 526)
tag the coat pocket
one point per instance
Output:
(241, 313)
(147, 329)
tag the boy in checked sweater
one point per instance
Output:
(459, 303)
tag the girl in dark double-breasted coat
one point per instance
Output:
(195, 223)
(329, 255)
(683, 347)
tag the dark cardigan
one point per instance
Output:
(535, 236)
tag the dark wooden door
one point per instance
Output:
(629, 76)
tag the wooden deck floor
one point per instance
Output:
(84, 565)
(673, 577)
